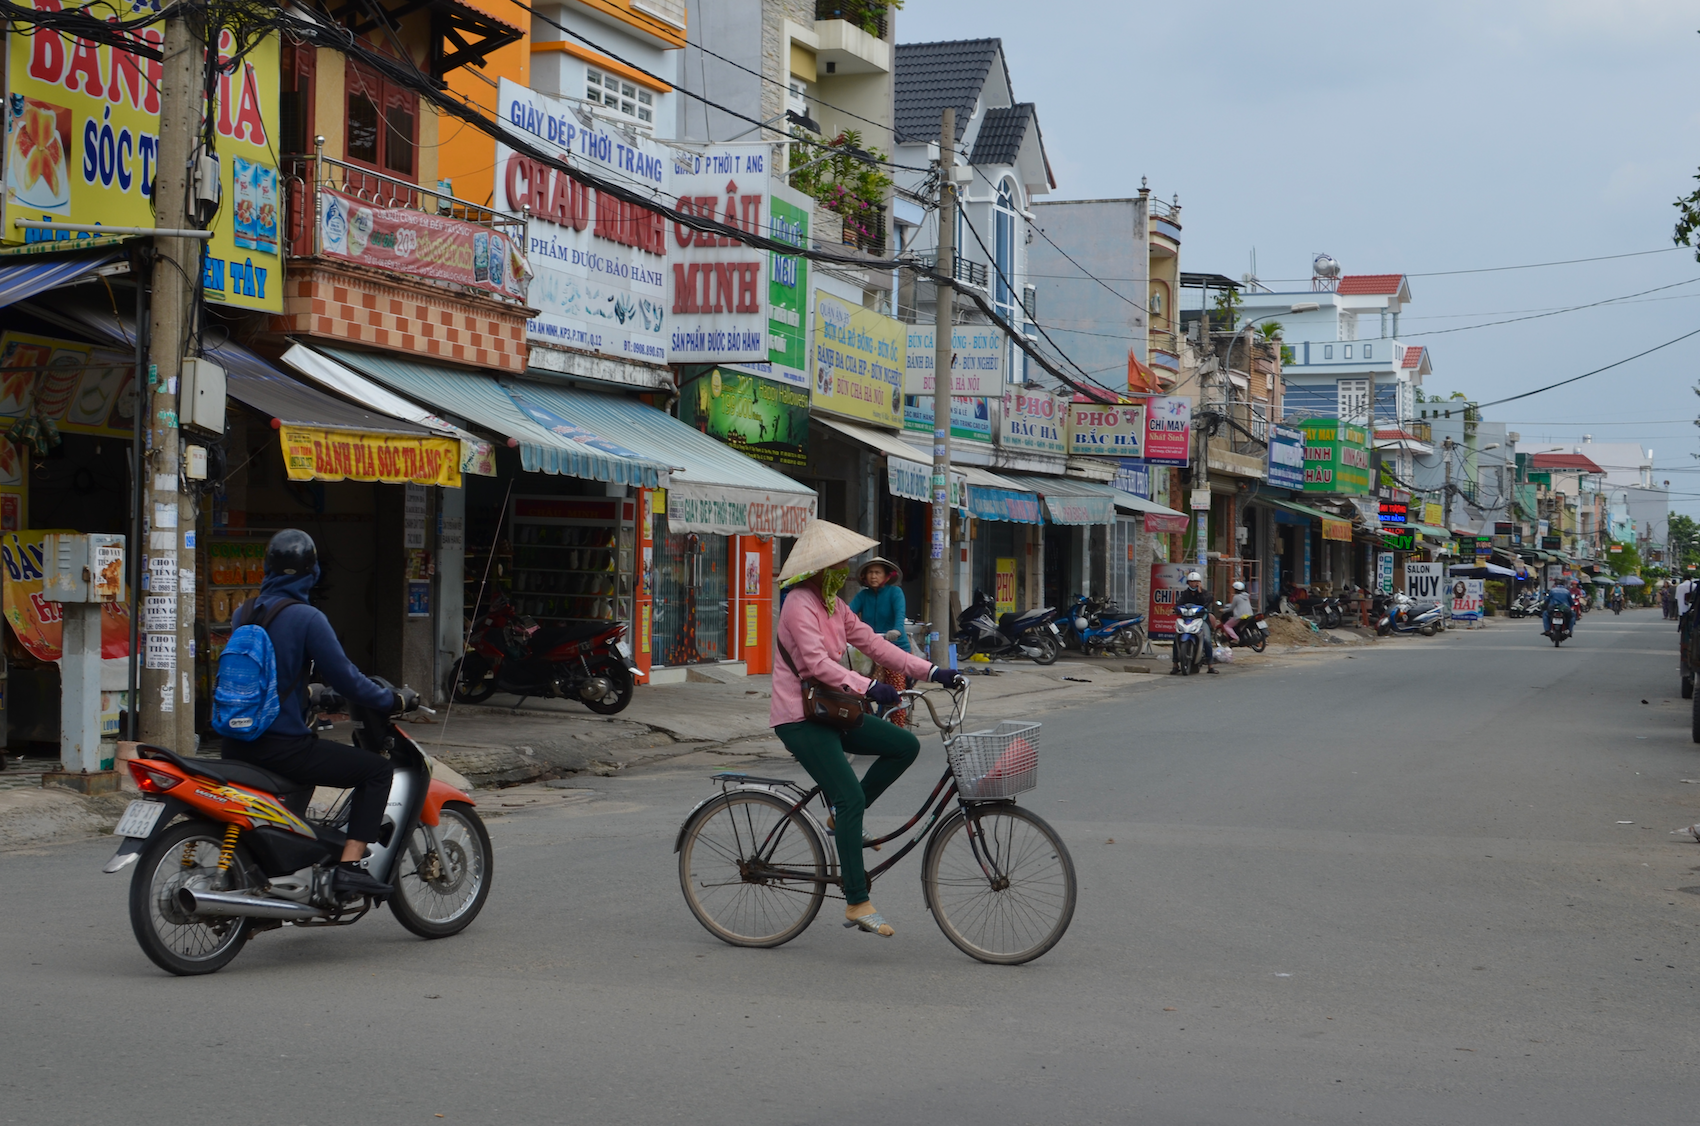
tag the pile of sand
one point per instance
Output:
(1290, 629)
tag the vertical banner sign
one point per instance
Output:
(1286, 457)
(1167, 582)
(976, 361)
(598, 264)
(1467, 600)
(1384, 571)
(858, 362)
(1005, 596)
(82, 145)
(716, 285)
(788, 289)
(1107, 429)
(1168, 430)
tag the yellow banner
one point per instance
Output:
(83, 389)
(858, 362)
(82, 145)
(312, 454)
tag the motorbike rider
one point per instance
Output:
(1239, 609)
(1616, 596)
(302, 638)
(1560, 599)
(1195, 595)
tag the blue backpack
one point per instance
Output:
(245, 698)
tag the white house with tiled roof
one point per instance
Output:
(1344, 357)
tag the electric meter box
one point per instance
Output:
(200, 397)
(82, 567)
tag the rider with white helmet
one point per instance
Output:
(1195, 595)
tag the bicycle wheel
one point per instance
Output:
(1008, 900)
(727, 856)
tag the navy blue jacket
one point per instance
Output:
(303, 633)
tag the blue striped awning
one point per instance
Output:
(994, 497)
(574, 452)
(1070, 501)
(23, 280)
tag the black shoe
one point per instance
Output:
(352, 878)
(1174, 672)
(1211, 670)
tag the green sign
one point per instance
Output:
(761, 418)
(1336, 457)
(1404, 541)
(788, 290)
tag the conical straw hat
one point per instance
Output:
(821, 545)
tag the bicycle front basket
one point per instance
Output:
(999, 763)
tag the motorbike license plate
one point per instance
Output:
(139, 819)
(1264, 626)
(1053, 628)
(620, 651)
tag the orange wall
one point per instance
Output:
(466, 156)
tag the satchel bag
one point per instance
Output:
(837, 708)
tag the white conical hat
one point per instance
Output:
(821, 545)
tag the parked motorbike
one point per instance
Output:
(1251, 631)
(1192, 637)
(509, 652)
(1096, 625)
(1402, 615)
(1032, 633)
(224, 850)
(1525, 605)
(1326, 610)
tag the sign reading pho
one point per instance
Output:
(599, 264)
(976, 361)
(1110, 429)
(717, 286)
(1034, 420)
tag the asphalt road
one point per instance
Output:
(1427, 881)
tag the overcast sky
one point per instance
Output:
(1413, 138)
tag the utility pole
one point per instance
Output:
(167, 704)
(944, 269)
(1446, 493)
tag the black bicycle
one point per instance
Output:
(755, 865)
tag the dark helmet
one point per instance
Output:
(291, 552)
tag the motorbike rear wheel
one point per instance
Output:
(1256, 639)
(1049, 649)
(186, 854)
(439, 893)
(617, 697)
(1695, 722)
(1688, 688)
(470, 680)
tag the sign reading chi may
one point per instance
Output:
(1116, 429)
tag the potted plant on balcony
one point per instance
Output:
(869, 15)
(843, 181)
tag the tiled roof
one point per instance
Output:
(1413, 357)
(1370, 283)
(1565, 461)
(1001, 133)
(931, 76)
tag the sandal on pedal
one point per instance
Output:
(873, 923)
(832, 827)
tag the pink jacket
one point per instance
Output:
(816, 640)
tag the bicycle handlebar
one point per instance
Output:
(959, 705)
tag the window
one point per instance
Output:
(1004, 222)
(1348, 351)
(618, 96)
(1367, 351)
(295, 98)
(797, 97)
(382, 124)
(1328, 351)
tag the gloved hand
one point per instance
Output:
(406, 699)
(884, 694)
(950, 678)
(893, 634)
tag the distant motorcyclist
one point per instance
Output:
(1239, 609)
(1196, 595)
(1558, 599)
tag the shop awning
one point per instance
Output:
(476, 454)
(23, 280)
(1429, 530)
(1157, 517)
(713, 487)
(1068, 501)
(1481, 571)
(908, 475)
(485, 403)
(991, 497)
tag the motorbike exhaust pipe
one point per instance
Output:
(217, 903)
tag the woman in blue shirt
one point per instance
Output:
(881, 607)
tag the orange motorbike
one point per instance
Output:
(224, 850)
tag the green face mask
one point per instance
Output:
(831, 582)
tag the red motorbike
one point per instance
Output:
(509, 652)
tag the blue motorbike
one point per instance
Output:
(1096, 625)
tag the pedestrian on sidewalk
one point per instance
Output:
(814, 628)
(881, 606)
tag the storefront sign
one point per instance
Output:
(1167, 582)
(1422, 581)
(1033, 421)
(969, 418)
(1392, 512)
(976, 361)
(1340, 530)
(914, 481)
(1162, 522)
(1286, 468)
(1168, 430)
(1134, 476)
(36, 622)
(1402, 541)
(82, 145)
(1467, 600)
(716, 289)
(421, 244)
(1384, 571)
(1433, 514)
(1005, 596)
(1336, 457)
(83, 389)
(858, 362)
(312, 454)
(986, 503)
(760, 418)
(788, 288)
(1107, 429)
(1552, 543)
(1504, 528)
(730, 512)
(600, 264)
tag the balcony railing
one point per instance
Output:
(305, 176)
(869, 15)
(866, 231)
(967, 272)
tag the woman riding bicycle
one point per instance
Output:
(814, 629)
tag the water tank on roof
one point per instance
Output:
(1324, 266)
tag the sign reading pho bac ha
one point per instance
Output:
(82, 146)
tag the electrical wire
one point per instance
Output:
(1552, 313)
(1586, 374)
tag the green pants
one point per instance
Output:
(821, 750)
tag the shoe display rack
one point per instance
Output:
(572, 558)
